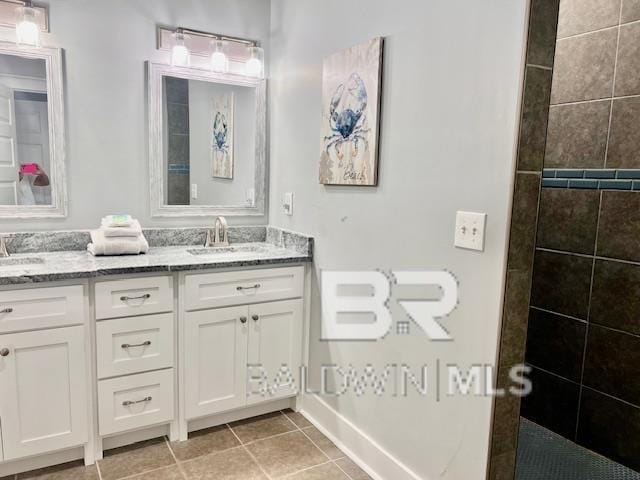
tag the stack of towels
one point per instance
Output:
(118, 235)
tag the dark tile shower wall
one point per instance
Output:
(583, 338)
(177, 95)
(531, 146)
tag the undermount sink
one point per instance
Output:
(20, 262)
(238, 249)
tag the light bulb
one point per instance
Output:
(255, 65)
(180, 54)
(27, 29)
(219, 59)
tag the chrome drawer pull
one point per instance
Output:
(6, 310)
(146, 296)
(252, 287)
(128, 403)
(143, 344)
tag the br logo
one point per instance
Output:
(339, 312)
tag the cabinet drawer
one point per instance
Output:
(214, 290)
(37, 308)
(135, 401)
(134, 345)
(134, 296)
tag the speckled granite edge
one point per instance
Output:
(73, 240)
(281, 237)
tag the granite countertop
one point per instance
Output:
(277, 247)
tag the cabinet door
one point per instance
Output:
(275, 347)
(215, 356)
(43, 405)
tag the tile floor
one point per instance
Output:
(277, 445)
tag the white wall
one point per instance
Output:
(449, 118)
(105, 46)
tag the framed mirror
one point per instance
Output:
(207, 149)
(32, 149)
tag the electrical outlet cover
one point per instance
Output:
(470, 228)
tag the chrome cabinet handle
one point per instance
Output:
(129, 345)
(243, 319)
(255, 318)
(140, 297)
(252, 287)
(6, 310)
(4, 352)
(128, 403)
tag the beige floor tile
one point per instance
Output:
(67, 471)
(167, 473)
(263, 426)
(134, 459)
(204, 442)
(351, 469)
(235, 464)
(297, 418)
(328, 471)
(323, 443)
(286, 454)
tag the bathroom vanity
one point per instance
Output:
(97, 353)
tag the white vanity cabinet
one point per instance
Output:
(135, 351)
(43, 372)
(225, 347)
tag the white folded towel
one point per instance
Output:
(117, 221)
(101, 245)
(133, 231)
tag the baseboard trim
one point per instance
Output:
(360, 447)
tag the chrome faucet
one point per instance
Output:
(213, 234)
(3, 247)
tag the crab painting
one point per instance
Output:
(347, 117)
(220, 132)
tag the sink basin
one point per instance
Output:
(20, 263)
(229, 251)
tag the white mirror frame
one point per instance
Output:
(156, 164)
(55, 105)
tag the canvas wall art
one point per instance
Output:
(222, 135)
(351, 90)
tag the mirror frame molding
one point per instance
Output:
(155, 72)
(57, 148)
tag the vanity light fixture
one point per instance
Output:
(219, 59)
(27, 25)
(225, 54)
(255, 64)
(180, 53)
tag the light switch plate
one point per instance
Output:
(194, 190)
(287, 203)
(470, 230)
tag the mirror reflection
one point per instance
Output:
(208, 141)
(24, 132)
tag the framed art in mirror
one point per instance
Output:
(207, 142)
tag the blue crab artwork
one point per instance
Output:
(347, 117)
(220, 132)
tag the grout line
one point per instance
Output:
(342, 470)
(613, 87)
(586, 332)
(558, 314)
(249, 452)
(613, 398)
(585, 255)
(97, 468)
(541, 67)
(549, 372)
(175, 459)
(288, 475)
(593, 100)
(618, 25)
